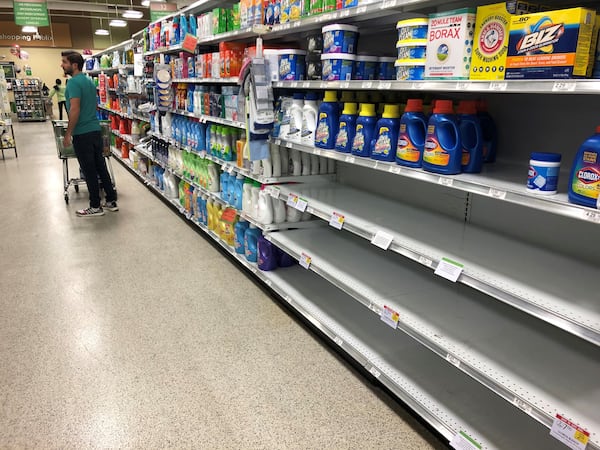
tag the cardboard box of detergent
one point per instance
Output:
(551, 44)
(491, 38)
(450, 44)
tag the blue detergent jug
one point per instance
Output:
(230, 196)
(267, 255)
(224, 179)
(251, 242)
(365, 130)
(238, 192)
(442, 152)
(471, 137)
(239, 232)
(347, 129)
(192, 21)
(386, 132)
(411, 137)
(490, 132)
(328, 122)
(584, 181)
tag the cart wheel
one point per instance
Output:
(77, 188)
(67, 199)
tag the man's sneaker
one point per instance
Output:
(90, 212)
(111, 206)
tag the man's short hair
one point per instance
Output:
(74, 58)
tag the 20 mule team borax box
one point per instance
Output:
(551, 44)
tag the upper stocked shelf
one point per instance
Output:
(110, 69)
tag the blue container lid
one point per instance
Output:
(311, 96)
(549, 157)
(298, 96)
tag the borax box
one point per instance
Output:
(450, 44)
(491, 38)
(551, 44)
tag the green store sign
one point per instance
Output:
(31, 12)
(159, 10)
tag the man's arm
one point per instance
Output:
(73, 119)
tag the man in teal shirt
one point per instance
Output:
(84, 131)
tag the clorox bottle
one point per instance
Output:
(471, 137)
(328, 122)
(584, 181)
(345, 136)
(386, 134)
(442, 152)
(411, 138)
(365, 130)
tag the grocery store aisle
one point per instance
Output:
(130, 330)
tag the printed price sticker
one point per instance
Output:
(301, 204)
(388, 4)
(395, 169)
(462, 86)
(386, 85)
(521, 404)
(593, 216)
(390, 317)
(273, 191)
(294, 84)
(361, 9)
(317, 152)
(425, 261)
(498, 86)
(367, 84)
(268, 282)
(376, 373)
(337, 220)
(569, 433)
(306, 84)
(448, 269)
(453, 360)
(564, 86)
(446, 181)
(418, 86)
(462, 441)
(382, 240)
(323, 85)
(297, 23)
(349, 159)
(202, 153)
(338, 340)
(305, 260)
(496, 193)
(288, 144)
(292, 200)
(344, 13)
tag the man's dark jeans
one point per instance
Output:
(88, 148)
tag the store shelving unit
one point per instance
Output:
(29, 100)
(493, 357)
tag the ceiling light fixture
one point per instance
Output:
(118, 23)
(101, 31)
(29, 29)
(146, 3)
(133, 14)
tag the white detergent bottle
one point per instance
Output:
(305, 158)
(295, 166)
(275, 160)
(256, 168)
(323, 165)
(330, 165)
(267, 168)
(254, 206)
(292, 214)
(213, 178)
(314, 165)
(310, 112)
(265, 208)
(285, 161)
(294, 133)
(279, 212)
(247, 197)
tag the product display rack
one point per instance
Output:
(495, 357)
(29, 100)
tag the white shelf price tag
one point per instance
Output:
(390, 317)
(292, 200)
(498, 86)
(462, 86)
(317, 152)
(395, 169)
(388, 4)
(385, 85)
(344, 13)
(305, 261)
(337, 220)
(593, 216)
(367, 84)
(294, 84)
(569, 433)
(375, 372)
(453, 360)
(448, 269)
(338, 340)
(497, 193)
(425, 261)
(349, 159)
(361, 9)
(382, 240)
(462, 441)
(273, 191)
(288, 144)
(564, 86)
(301, 204)
(445, 181)
(306, 84)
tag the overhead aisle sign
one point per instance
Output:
(31, 12)
(159, 9)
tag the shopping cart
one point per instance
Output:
(66, 153)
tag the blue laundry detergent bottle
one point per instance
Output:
(251, 242)
(365, 130)
(442, 152)
(328, 122)
(183, 27)
(386, 134)
(238, 193)
(347, 129)
(471, 137)
(192, 24)
(267, 255)
(411, 137)
(584, 181)
(224, 178)
(239, 232)
(490, 132)
(231, 186)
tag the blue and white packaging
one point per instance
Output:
(366, 67)
(543, 173)
(291, 64)
(338, 67)
(340, 38)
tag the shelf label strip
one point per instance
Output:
(337, 220)
(382, 240)
(305, 260)
(462, 441)
(449, 269)
(390, 317)
(569, 433)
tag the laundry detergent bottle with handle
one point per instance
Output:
(239, 231)
(443, 151)
(584, 181)
(490, 133)
(365, 130)
(386, 134)
(328, 122)
(471, 137)
(310, 112)
(294, 133)
(250, 243)
(411, 137)
(347, 129)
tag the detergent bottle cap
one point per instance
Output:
(443, 107)
(330, 96)
(414, 105)
(467, 107)
(391, 111)
(367, 109)
(311, 96)
(351, 109)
